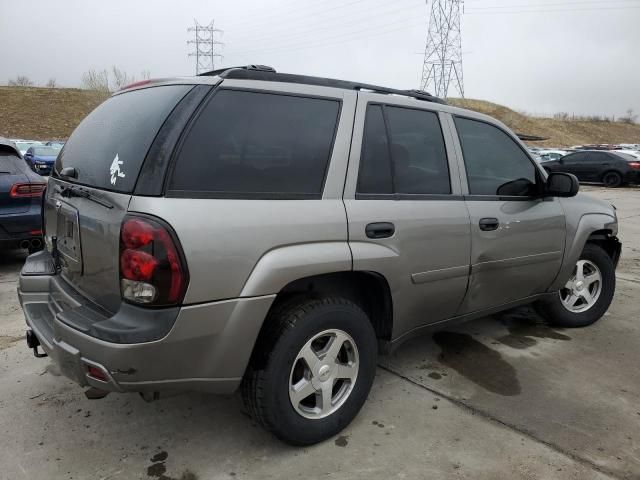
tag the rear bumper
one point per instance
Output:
(19, 226)
(207, 348)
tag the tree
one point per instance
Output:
(96, 80)
(52, 83)
(21, 81)
(105, 82)
(629, 118)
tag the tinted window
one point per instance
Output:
(8, 163)
(418, 152)
(495, 163)
(124, 126)
(626, 157)
(598, 157)
(575, 158)
(258, 145)
(374, 175)
(415, 146)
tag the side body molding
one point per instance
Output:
(280, 266)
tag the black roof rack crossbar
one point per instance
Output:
(220, 71)
(266, 73)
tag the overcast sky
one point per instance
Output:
(539, 56)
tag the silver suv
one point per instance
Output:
(276, 232)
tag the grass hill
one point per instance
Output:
(43, 113)
(53, 113)
(560, 133)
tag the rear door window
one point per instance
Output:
(403, 152)
(108, 147)
(257, 145)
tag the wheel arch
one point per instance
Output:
(597, 228)
(369, 290)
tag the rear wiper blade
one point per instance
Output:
(80, 192)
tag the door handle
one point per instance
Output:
(489, 224)
(380, 230)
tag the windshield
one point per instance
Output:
(46, 151)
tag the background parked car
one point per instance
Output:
(609, 167)
(55, 143)
(20, 201)
(24, 145)
(546, 155)
(41, 158)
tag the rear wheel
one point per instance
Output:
(312, 369)
(587, 294)
(612, 179)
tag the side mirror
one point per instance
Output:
(69, 172)
(561, 185)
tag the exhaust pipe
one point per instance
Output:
(25, 244)
(36, 243)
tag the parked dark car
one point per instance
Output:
(20, 201)
(609, 167)
(41, 158)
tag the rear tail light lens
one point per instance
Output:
(152, 269)
(24, 190)
(635, 165)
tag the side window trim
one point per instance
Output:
(175, 193)
(463, 168)
(405, 196)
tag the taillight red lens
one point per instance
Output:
(23, 190)
(635, 165)
(152, 271)
(137, 265)
(136, 233)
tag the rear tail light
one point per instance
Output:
(24, 190)
(152, 269)
(635, 165)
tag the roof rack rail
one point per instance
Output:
(266, 73)
(256, 68)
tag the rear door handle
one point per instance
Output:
(488, 224)
(380, 230)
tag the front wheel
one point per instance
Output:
(312, 370)
(587, 294)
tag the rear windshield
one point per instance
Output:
(108, 147)
(8, 165)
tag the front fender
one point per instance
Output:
(577, 236)
(283, 265)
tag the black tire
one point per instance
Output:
(612, 179)
(553, 310)
(265, 388)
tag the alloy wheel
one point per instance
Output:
(583, 289)
(323, 374)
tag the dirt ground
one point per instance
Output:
(502, 397)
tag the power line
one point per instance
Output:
(377, 32)
(303, 31)
(533, 9)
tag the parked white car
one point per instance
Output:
(547, 155)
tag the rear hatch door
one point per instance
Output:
(83, 214)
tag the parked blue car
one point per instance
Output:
(20, 201)
(41, 158)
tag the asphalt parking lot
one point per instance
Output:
(502, 397)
